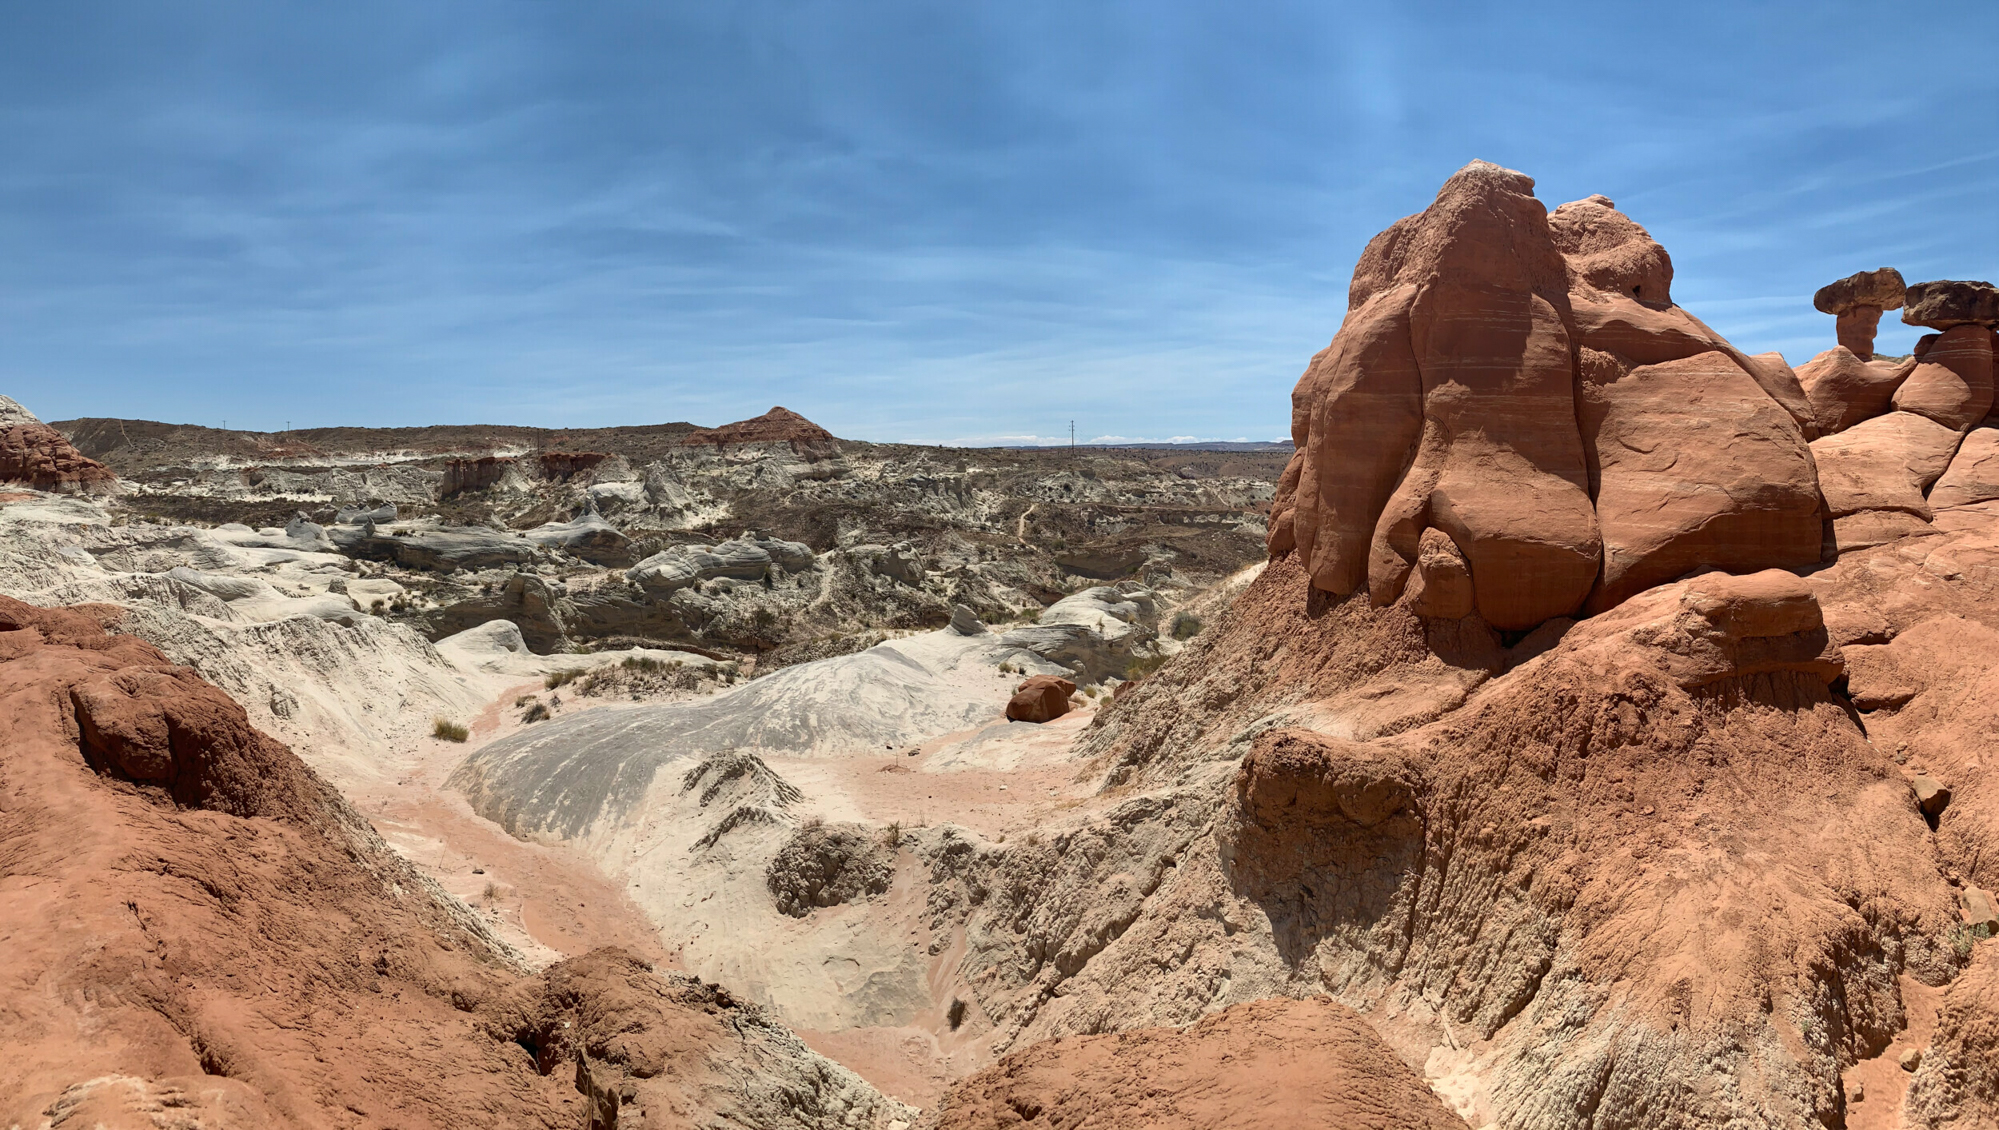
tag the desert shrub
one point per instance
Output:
(1185, 626)
(1141, 666)
(562, 678)
(448, 730)
(536, 713)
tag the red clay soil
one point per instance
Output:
(779, 425)
(199, 932)
(1272, 1064)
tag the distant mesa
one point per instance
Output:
(779, 425)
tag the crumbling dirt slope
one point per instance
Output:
(1273, 1064)
(196, 926)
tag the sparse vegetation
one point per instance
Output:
(1186, 626)
(892, 835)
(1141, 666)
(563, 677)
(447, 730)
(535, 713)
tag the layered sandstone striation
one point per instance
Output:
(1519, 382)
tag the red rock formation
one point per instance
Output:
(33, 453)
(1952, 381)
(1450, 400)
(1040, 698)
(1268, 1065)
(196, 927)
(1844, 389)
(1858, 301)
(1947, 303)
(779, 425)
(473, 474)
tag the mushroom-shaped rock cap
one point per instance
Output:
(1945, 303)
(1880, 289)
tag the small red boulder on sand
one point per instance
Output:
(1042, 698)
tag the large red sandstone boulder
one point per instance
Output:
(1448, 401)
(1973, 475)
(1695, 466)
(33, 453)
(1947, 303)
(1844, 389)
(1886, 463)
(1041, 698)
(1952, 381)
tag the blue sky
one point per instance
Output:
(928, 222)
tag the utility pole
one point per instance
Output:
(1072, 435)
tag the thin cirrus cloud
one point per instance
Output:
(911, 221)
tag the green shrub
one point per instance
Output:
(448, 730)
(562, 678)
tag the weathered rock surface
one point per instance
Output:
(34, 454)
(238, 948)
(440, 549)
(1973, 474)
(1042, 698)
(1508, 861)
(1693, 465)
(826, 865)
(1449, 400)
(1845, 389)
(1859, 300)
(744, 559)
(1945, 304)
(1095, 633)
(1952, 381)
(587, 536)
(1886, 463)
(1269, 1065)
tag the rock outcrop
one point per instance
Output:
(779, 425)
(1878, 472)
(1858, 301)
(1042, 698)
(1478, 333)
(36, 455)
(1946, 304)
